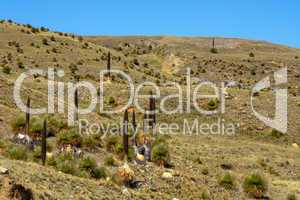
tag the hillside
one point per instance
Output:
(198, 161)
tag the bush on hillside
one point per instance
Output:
(111, 142)
(109, 161)
(160, 154)
(214, 50)
(87, 163)
(99, 172)
(17, 152)
(255, 185)
(19, 122)
(6, 69)
(69, 137)
(45, 41)
(227, 181)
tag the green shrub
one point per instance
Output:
(119, 148)
(111, 142)
(20, 65)
(37, 152)
(214, 50)
(64, 157)
(111, 100)
(69, 137)
(255, 185)
(99, 172)
(67, 167)
(51, 161)
(82, 174)
(44, 29)
(131, 154)
(6, 70)
(160, 154)
(80, 38)
(160, 138)
(97, 139)
(87, 163)
(88, 142)
(52, 38)
(276, 134)
(37, 126)
(45, 41)
(205, 171)
(19, 122)
(17, 152)
(227, 181)
(204, 194)
(109, 161)
(54, 50)
(291, 197)
(3, 144)
(55, 122)
(213, 104)
(198, 160)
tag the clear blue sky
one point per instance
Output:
(272, 20)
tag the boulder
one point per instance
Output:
(3, 170)
(167, 175)
(140, 157)
(295, 145)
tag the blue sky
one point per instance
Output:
(272, 20)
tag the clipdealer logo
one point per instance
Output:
(279, 122)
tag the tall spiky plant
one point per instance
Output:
(134, 126)
(76, 102)
(152, 107)
(145, 118)
(27, 118)
(108, 63)
(213, 49)
(125, 132)
(44, 143)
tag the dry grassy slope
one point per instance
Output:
(191, 156)
(167, 57)
(231, 63)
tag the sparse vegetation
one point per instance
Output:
(251, 54)
(45, 42)
(6, 70)
(21, 65)
(111, 142)
(255, 185)
(99, 172)
(213, 104)
(227, 181)
(36, 126)
(214, 50)
(275, 133)
(88, 163)
(109, 161)
(291, 197)
(160, 154)
(17, 152)
(69, 137)
(19, 122)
